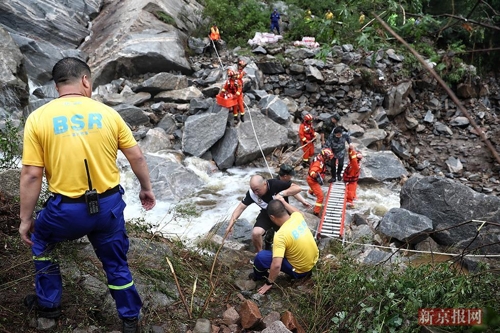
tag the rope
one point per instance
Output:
(217, 53)
(420, 251)
(258, 142)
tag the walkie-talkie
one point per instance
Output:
(91, 197)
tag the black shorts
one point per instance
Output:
(265, 222)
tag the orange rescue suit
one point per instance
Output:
(317, 167)
(233, 87)
(214, 33)
(239, 77)
(306, 134)
(351, 176)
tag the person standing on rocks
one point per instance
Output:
(336, 142)
(261, 192)
(74, 140)
(275, 21)
(307, 136)
(294, 249)
(316, 175)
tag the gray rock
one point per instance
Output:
(273, 107)
(395, 100)
(203, 326)
(200, 105)
(405, 226)
(296, 69)
(375, 256)
(223, 151)
(373, 135)
(462, 122)
(259, 50)
(13, 87)
(429, 117)
(132, 115)
(301, 53)
(440, 128)
(270, 67)
(202, 131)
(313, 74)
(276, 327)
(162, 82)
(248, 147)
(179, 96)
(449, 204)
(381, 166)
(155, 140)
(454, 165)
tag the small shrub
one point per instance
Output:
(165, 18)
(10, 146)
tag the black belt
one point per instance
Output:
(81, 199)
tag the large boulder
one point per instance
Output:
(273, 107)
(457, 212)
(138, 42)
(61, 23)
(202, 131)
(269, 136)
(396, 101)
(405, 226)
(223, 151)
(381, 166)
(13, 81)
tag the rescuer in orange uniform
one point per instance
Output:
(214, 33)
(241, 73)
(351, 176)
(316, 177)
(307, 135)
(233, 89)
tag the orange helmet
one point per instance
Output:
(230, 73)
(359, 156)
(308, 118)
(327, 153)
(242, 63)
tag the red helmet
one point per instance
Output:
(327, 153)
(308, 118)
(242, 63)
(230, 73)
(359, 156)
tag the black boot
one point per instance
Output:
(236, 120)
(130, 325)
(242, 118)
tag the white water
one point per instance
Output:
(220, 195)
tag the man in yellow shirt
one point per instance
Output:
(74, 140)
(294, 249)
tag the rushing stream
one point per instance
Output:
(192, 217)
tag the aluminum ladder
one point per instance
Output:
(332, 220)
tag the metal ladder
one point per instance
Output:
(332, 219)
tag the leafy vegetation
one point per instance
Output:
(10, 146)
(461, 26)
(352, 297)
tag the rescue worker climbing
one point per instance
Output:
(307, 136)
(232, 89)
(316, 177)
(351, 176)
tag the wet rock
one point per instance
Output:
(223, 151)
(156, 139)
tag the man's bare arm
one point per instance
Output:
(30, 187)
(235, 215)
(138, 163)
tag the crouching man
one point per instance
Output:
(293, 239)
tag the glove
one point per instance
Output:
(319, 179)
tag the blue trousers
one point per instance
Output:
(60, 221)
(262, 263)
(275, 25)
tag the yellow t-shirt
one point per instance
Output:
(60, 135)
(295, 242)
